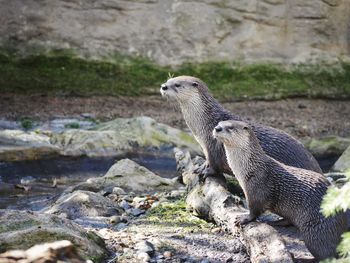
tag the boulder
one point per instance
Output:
(24, 229)
(343, 163)
(80, 204)
(130, 176)
(122, 136)
(60, 251)
(327, 146)
(17, 145)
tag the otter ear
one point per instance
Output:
(194, 84)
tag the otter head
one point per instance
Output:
(183, 89)
(234, 134)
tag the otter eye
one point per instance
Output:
(230, 128)
(194, 84)
(245, 128)
(177, 85)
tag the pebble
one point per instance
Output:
(143, 257)
(124, 204)
(145, 246)
(121, 226)
(115, 219)
(167, 254)
(118, 191)
(216, 230)
(135, 211)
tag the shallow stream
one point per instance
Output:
(39, 176)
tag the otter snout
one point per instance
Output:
(163, 87)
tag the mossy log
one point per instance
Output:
(212, 201)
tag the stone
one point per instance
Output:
(122, 136)
(83, 204)
(145, 246)
(24, 229)
(16, 145)
(118, 191)
(343, 163)
(135, 211)
(59, 251)
(249, 31)
(130, 176)
(143, 257)
(115, 219)
(167, 254)
(327, 146)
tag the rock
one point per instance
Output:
(24, 229)
(249, 31)
(130, 176)
(124, 204)
(16, 145)
(167, 254)
(343, 163)
(58, 125)
(115, 219)
(216, 230)
(143, 257)
(122, 136)
(135, 211)
(327, 146)
(118, 191)
(83, 204)
(145, 246)
(59, 251)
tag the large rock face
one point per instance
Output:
(172, 31)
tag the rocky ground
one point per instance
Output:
(300, 117)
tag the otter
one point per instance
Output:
(293, 193)
(202, 113)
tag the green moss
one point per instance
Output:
(73, 125)
(174, 213)
(9, 226)
(27, 123)
(63, 73)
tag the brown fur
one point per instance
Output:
(293, 193)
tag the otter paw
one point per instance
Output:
(243, 219)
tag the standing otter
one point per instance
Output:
(202, 113)
(293, 193)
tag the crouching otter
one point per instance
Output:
(293, 193)
(202, 113)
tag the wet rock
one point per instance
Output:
(16, 145)
(123, 136)
(130, 176)
(343, 163)
(23, 229)
(80, 204)
(58, 125)
(59, 251)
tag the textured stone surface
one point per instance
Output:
(122, 136)
(24, 229)
(343, 163)
(83, 204)
(130, 176)
(172, 31)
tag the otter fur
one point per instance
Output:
(293, 193)
(202, 113)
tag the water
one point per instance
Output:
(40, 175)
